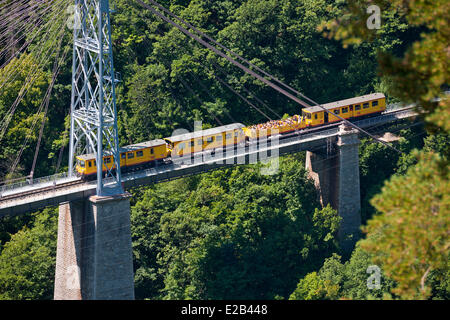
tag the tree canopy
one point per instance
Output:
(232, 234)
(236, 233)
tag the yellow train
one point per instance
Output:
(357, 107)
(348, 109)
(209, 139)
(151, 153)
(132, 157)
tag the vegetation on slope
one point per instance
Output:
(234, 233)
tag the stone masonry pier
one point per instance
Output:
(336, 176)
(94, 255)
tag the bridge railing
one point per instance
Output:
(27, 182)
(53, 179)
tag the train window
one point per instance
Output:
(152, 151)
(365, 105)
(130, 155)
(81, 163)
(219, 138)
(315, 116)
(374, 103)
(344, 110)
(228, 136)
(236, 134)
(90, 164)
(107, 160)
(192, 143)
(336, 111)
(140, 153)
(357, 107)
(123, 156)
(210, 139)
(200, 142)
(181, 146)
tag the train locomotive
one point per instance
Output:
(157, 152)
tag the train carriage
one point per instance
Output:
(274, 127)
(149, 153)
(209, 139)
(357, 107)
(136, 156)
(143, 154)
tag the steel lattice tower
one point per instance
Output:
(93, 103)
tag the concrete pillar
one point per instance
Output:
(68, 251)
(348, 197)
(337, 179)
(94, 254)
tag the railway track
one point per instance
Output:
(40, 190)
(336, 124)
(79, 182)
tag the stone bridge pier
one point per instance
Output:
(336, 176)
(94, 255)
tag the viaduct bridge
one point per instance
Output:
(94, 254)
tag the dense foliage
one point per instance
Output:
(27, 262)
(337, 280)
(408, 238)
(236, 233)
(232, 234)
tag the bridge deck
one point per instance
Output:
(35, 197)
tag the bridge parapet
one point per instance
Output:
(32, 197)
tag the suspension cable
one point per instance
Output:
(56, 13)
(56, 69)
(259, 77)
(220, 53)
(25, 29)
(29, 81)
(229, 87)
(192, 91)
(44, 102)
(200, 101)
(249, 92)
(210, 95)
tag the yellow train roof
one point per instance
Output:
(129, 148)
(346, 102)
(204, 133)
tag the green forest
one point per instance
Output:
(235, 233)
